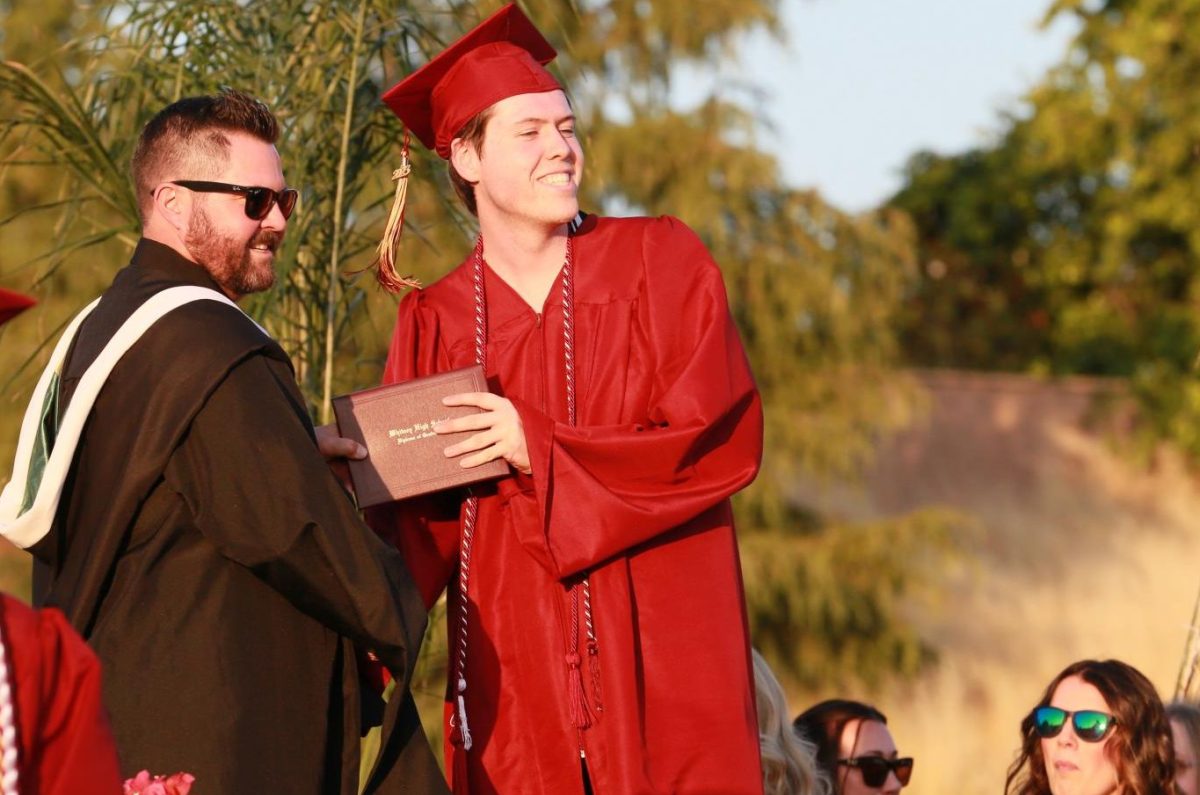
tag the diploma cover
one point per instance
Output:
(405, 455)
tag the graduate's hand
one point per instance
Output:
(336, 449)
(501, 432)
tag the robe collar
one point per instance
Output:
(155, 259)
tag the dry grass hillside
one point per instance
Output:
(1081, 553)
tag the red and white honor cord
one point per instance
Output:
(580, 716)
(9, 759)
(579, 712)
(471, 513)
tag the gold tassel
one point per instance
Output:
(385, 260)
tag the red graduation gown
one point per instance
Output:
(65, 743)
(669, 426)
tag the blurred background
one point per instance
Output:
(960, 239)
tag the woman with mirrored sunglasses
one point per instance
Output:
(1099, 729)
(855, 749)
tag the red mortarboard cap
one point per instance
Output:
(13, 304)
(503, 56)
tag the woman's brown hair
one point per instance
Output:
(1139, 746)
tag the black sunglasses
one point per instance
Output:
(258, 200)
(875, 769)
(1090, 725)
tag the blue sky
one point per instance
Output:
(862, 84)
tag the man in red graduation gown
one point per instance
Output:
(62, 741)
(598, 635)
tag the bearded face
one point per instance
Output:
(239, 265)
(236, 249)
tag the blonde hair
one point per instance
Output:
(787, 759)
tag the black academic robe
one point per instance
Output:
(207, 554)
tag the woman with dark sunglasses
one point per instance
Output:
(855, 750)
(1099, 729)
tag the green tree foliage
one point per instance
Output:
(975, 305)
(35, 33)
(844, 587)
(321, 65)
(1071, 245)
(815, 291)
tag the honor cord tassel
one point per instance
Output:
(463, 728)
(581, 718)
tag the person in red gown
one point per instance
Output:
(65, 745)
(54, 733)
(12, 304)
(598, 631)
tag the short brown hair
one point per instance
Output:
(186, 139)
(472, 133)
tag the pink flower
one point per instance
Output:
(137, 784)
(143, 784)
(179, 783)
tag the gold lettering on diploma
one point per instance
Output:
(415, 432)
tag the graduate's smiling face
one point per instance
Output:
(236, 250)
(530, 164)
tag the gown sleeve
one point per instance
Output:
(65, 740)
(601, 490)
(258, 489)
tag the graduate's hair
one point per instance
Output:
(823, 725)
(788, 763)
(1140, 742)
(472, 134)
(188, 139)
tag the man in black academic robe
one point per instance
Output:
(201, 545)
